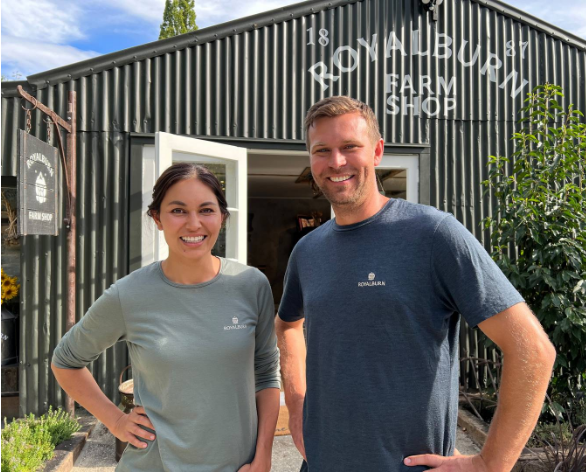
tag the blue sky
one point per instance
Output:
(39, 35)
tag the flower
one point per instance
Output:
(10, 287)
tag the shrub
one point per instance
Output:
(28, 442)
(538, 229)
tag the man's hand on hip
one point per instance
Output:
(454, 463)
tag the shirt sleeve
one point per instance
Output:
(266, 353)
(291, 307)
(101, 327)
(465, 277)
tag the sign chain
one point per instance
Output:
(29, 115)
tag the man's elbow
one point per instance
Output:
(545, 352)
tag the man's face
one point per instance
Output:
(343, 157)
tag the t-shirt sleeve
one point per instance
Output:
(266, 353)
(101, 327)
(465, 277)
(291, 307)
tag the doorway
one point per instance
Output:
(282, 207)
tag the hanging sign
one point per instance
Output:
(37, 186)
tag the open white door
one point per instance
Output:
(229, 163)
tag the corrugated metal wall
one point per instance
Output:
(253, 82)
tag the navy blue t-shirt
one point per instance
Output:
(381, 300)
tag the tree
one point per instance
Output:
(539, 227)
(178, 18)
(15, 75)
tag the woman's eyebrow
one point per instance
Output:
(177, 202)
(206, 204)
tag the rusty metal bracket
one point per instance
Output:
(60, 121)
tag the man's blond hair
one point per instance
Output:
(341, 105)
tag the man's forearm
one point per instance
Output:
(525, 377)
(292, 348)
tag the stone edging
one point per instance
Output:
(67, 452)
(473, 426)
(478, 430)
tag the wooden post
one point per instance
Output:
(72, 233)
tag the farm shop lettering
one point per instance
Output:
(40, 216)
(346, 58)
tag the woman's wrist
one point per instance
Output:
(261, 462)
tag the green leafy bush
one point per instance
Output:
(538, 228)
(28, 442)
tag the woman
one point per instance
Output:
(200, 333)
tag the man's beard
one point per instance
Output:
(345, 200)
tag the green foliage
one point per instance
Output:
(178, 18)
(539, 226)
(28, 442)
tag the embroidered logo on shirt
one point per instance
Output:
(235, 326)
(371, 281)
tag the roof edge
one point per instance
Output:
(9, 87)
(163, 46)
(537, 23)
(157, 48)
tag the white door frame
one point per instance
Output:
(169, 148)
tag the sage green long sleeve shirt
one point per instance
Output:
(199, 354)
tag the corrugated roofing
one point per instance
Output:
(250, 23)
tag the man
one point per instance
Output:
(381, 289)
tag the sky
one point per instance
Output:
(39, 35)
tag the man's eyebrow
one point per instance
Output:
(317, 145)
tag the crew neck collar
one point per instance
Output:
(354, 226)
(192, 286)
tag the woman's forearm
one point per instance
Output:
(82, 387)
(267, 406)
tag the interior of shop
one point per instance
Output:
(282, 208)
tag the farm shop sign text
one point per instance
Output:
(405, 91)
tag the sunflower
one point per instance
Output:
(10, 287)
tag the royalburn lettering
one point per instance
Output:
(371, 283)
(234, 327)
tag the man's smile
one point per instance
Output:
(342, 178)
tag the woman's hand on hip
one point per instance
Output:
(128, 427)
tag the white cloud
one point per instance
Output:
(570, 15)
(29, 57)
(52, 21)
(149, 10)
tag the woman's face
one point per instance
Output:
(190, 219)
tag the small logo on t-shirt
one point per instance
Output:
(371, 281)
(235, 325)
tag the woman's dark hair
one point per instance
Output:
(180, 171)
